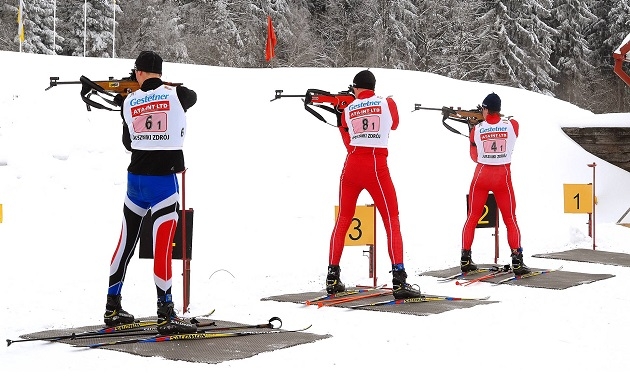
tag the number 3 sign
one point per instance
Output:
(361, 230)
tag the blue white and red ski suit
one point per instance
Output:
(154, 128)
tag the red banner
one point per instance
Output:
(271, 40)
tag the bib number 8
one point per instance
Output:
(368, 124)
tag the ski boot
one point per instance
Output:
(168, 322)
(114, 313)
(333, 282)
(466, 264)
(518, 267)
(401, 289)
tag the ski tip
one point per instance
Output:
(9, 342)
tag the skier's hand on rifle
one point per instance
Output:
(339, 114)
(119, 99)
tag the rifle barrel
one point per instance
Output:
(280, 95)
(419, 107)
(54, 81)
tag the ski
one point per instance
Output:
(342, 294)
(528, 275)
(133, 328)
(189, 336)
(469, 273)
(351, 298)
(500, 271)
(424, 298)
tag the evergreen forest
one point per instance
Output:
(560, 48)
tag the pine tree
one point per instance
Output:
(619, 26)
(394, 26)
(39, 35)
(88, 27)
(516, 45)
(572, 55)
(618, 23)
(445, 38)
(152, 25)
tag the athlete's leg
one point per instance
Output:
(129, 235)
(164, 219)
(477, 196)
(506, 202)
(349, 191)
(383, 193)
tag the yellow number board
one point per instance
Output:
(578, 198)
(361, 230)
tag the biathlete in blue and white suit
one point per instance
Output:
(154, 130)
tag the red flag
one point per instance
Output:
(271, 40)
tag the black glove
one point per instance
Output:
(339, 114)
(119, 99)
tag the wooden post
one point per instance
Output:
(184, 243)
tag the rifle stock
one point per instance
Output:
(111, 87)
(470, 117)
(319, 98)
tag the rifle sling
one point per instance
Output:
(309, 101)
(89, 102)
(451, 128)
(91, 88)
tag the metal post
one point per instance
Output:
(373, 259)
(496, 238)
(372, 252)
(185, 259)
(593, 165)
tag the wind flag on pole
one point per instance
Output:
(271, 41)
(20, 23)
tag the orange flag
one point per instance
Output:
(271, 40)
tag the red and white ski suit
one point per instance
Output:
(365, 128)
(492, 144)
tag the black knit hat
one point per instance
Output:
(364, 79)
(492, 102)
(149, 61)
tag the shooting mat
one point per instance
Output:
(215, 350)
(419, 309)
(590, 256)
(557, 280)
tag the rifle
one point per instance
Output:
(470, 117)
(111, 87)
(318, 98)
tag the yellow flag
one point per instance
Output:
(20, 23)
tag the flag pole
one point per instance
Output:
(55, 27)
(114, 32)
(20, 26)
(84, 25)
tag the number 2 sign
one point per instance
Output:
(489, 217)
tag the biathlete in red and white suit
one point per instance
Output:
(365, 127)
(491, 145)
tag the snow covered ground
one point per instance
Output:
(264, 190)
